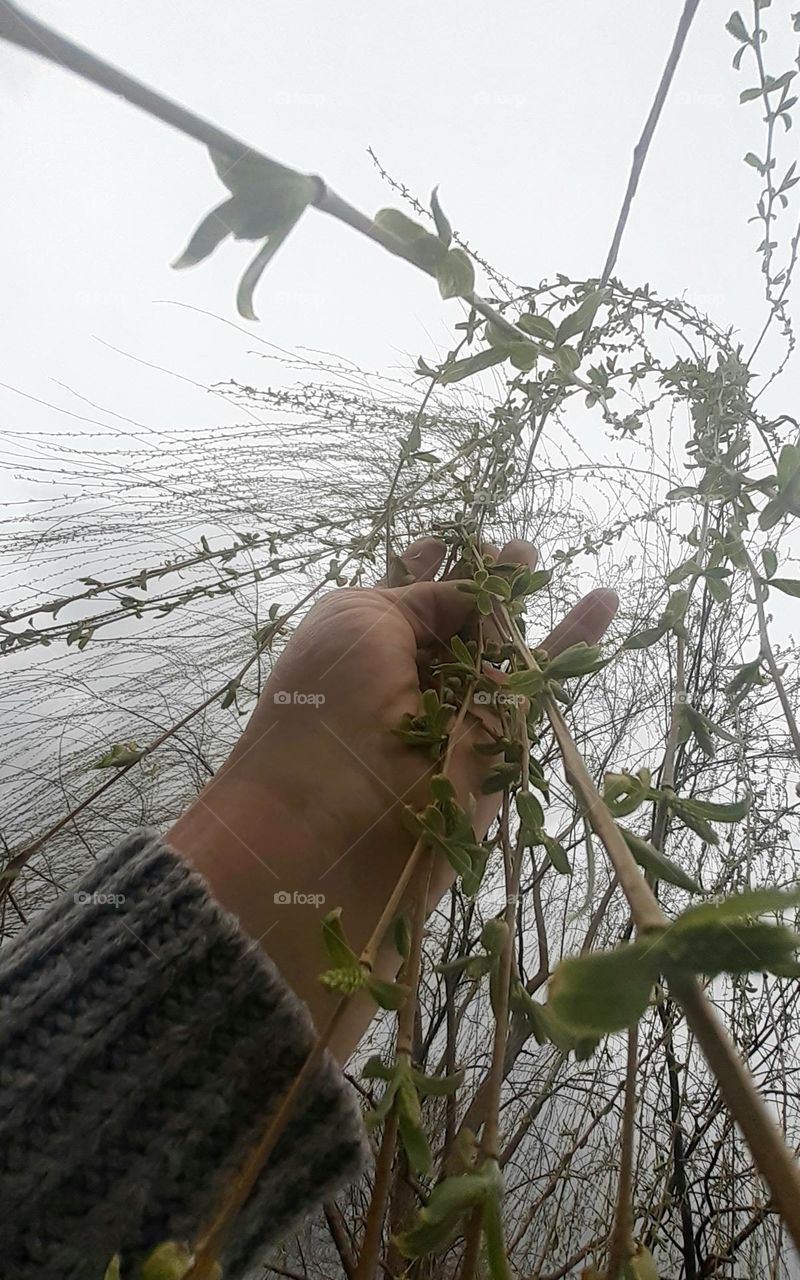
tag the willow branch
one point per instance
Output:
(769, 657)
(774, 1160)
(643, 145)
(622, 1235)
(19, 28)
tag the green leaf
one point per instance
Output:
(267, 199)
(448, 1202)
(789, 586)
(422, 248)
(671, 619)
(697, 725)
(381, 1110)
(494, 936)
(523, 355)
(735, 25)
(442, 788)
(494, 1245)
(640, 1265)
(389, 995)
(335, 943)
(557, 854)
(119, 756)
(400, 225)
(531, 815)
(401, 936)
(623, 793)
(751, 902)
(528, 683)
(578, 660)
(443, 228)
(229, 697)
(412, 1133)
(676, 608)
(537, 327)
(207, 237)
(437, 1086)
(528, 581)
(455, 275)
(770, 561)
(699, 825)
(566, 359)
(733, 811)
(746, 676)
(683, 571)
(656, 864)
(376, 1069)
(539, 1020)
(498, 587)
(772, 514)
(718, 589)
(712, 948)
(604, 991)
(475, 967)
(581, 319)
(644, 639)
(252, 275)
(169, 1261)
(271, 194)
(788, 467)
(112, 1270)
(460, 369)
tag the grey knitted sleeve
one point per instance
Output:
(143, 1042)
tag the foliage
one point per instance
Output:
(686, 717)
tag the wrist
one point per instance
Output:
(272, 856)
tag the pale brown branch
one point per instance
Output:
(643, 145)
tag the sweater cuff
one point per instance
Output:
(144, 1042)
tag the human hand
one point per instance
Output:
(310, 802)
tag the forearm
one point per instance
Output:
(278, 871)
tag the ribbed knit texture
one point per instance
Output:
(142, 1046)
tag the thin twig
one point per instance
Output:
(621, 1246)
(769, 656)
(373, 1229)
(643, 145)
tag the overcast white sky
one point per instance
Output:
(525, 113)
